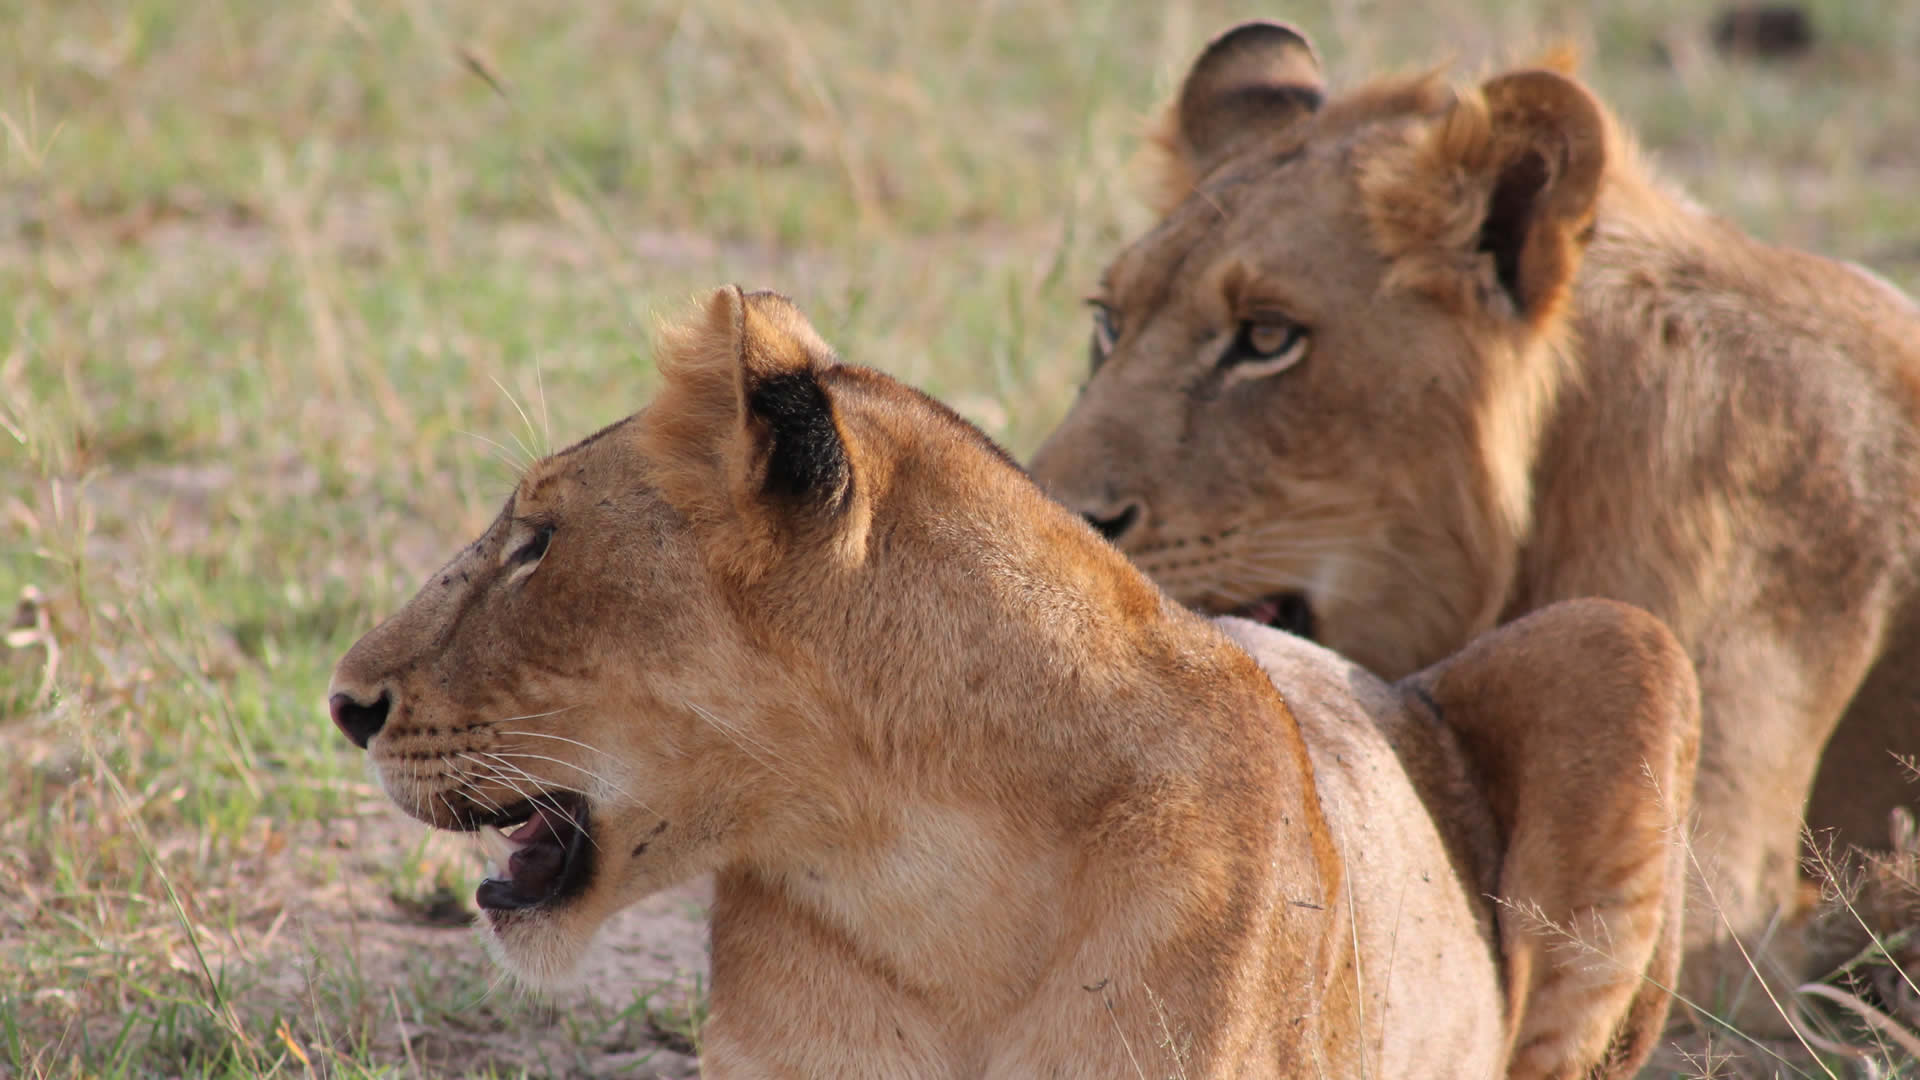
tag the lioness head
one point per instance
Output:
(1318, 382)
(649, 665)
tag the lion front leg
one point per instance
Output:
(1583, 723)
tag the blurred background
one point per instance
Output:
(289, 292)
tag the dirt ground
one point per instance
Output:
(631, 1012)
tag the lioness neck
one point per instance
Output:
(1109, 770)
(1766, 363)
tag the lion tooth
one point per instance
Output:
(496, 844)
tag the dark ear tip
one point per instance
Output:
(1250, 59)
(1257, 33)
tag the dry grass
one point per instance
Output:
(281, 278)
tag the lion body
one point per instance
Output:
(981, 800)
(1375, 909)
(1767, 508)
(1532, 371)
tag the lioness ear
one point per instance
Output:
(1508, 178)
(793, 448)
(1250, 82)
(745, 436)
(1552, 154)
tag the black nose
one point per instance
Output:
(360, 722)
(1112, 527)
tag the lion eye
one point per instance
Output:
(1265, 346)
(1106, 331)
(534, 548)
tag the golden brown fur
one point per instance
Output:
(1526, 370)
(983, 801)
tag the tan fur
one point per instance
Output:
(1535, 372)
(983, 801)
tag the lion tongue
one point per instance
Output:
(538, 854)
(534, 829)
(530, 859)
(1261, 611)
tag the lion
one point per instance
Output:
(979, 798)
(1405, 363)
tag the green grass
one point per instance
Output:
(276, 282)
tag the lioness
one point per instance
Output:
(1406, 363)
(983, 801)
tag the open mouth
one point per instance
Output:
(541, 852)
(1289, 611)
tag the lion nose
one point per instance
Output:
(1114, 524)
(360, 722)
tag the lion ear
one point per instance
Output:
(1256, 79)
(745, 433)
(792, 448)
(1508, 178)
(1553, 152)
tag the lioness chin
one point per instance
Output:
(980, 799)
(1406, 362)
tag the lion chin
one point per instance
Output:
(538, 947)
(978, 798)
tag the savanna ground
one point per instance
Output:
(288, 290)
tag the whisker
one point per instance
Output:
(475, 794)
(514, 400)
(506, 454)
(741, 740)
(617, 789)
(555, 738)
(540, 387)
(525, 756)
(537, 798)
(542, 800)
(493, 772)
(536, 715)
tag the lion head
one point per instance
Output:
(1317, 381)
(624, 681)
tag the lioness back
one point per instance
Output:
(1420, 847)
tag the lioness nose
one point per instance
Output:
(1115, 524)
(360, 722)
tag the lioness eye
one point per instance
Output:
(1265, 346)
(1106, 331)
(534, 548)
